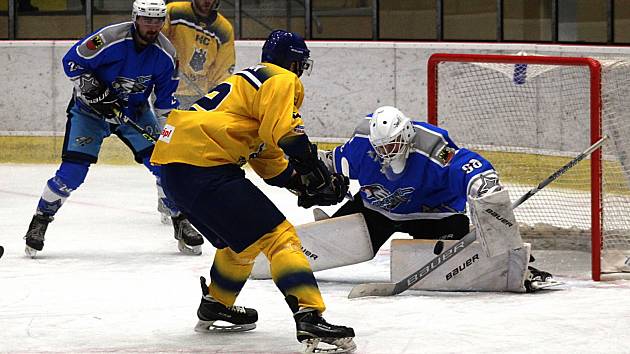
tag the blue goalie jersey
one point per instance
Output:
(110, 54)
(435, 183)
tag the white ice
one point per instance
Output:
(110, 279)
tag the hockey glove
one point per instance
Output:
(107, 106)
(331, 194)
(99, 98)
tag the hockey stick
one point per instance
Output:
(194, 86)
(139, 129)
(389, 289)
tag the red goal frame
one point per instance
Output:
(594, 67)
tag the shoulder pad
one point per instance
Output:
(256, 75)
(432, 144)
(180, 10)
(363, 129)
(104, 38)
(166, 45)
(222, 29)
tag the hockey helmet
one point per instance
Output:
(148, 8)
(285, 48)
(391, 133)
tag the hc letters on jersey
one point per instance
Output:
(167, 133)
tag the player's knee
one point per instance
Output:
(282, 238)
(228, 256)
(72, 174)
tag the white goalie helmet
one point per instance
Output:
(148, 8)
(391, 133)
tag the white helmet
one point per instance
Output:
(148, 8)
(391, 133)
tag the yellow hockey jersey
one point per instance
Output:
(240, 121)
(205, 47)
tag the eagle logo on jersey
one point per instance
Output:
(198, 59)
(126, 86)
(381, 197)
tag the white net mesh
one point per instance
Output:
(529, 120)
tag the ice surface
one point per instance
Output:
(110, 279)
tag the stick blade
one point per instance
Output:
(372, 289)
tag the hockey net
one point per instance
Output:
(529, 115)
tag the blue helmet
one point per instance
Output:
(284, 48)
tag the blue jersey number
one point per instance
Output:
(214, 98)
(471, 165)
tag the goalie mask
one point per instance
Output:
(391, 133)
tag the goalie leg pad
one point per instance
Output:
(463, 269)
(328, 244)
(494, 220)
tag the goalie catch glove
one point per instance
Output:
(100, 98)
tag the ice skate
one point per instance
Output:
(216, 317)
(35, 234)
(189, 241)
(321, 336)
(538, 279)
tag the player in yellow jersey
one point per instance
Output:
(252, 117)
(204, 41)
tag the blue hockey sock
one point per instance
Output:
(68, 177)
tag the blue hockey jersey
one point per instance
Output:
(110, 54)
(434, 184)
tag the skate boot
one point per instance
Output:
(216, 317)
(35, 234)
(189, 241)
(313, 329)
(538, 279)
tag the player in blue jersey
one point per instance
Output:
(413, 179)
(114, 72)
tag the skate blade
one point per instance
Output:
(219, 327)
(30, 251)
(189, 250)
(330, 345)
(540, 285)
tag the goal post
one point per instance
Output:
(529, 114)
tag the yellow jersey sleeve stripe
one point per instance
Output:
(250, 78)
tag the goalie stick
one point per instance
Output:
(389, 289)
